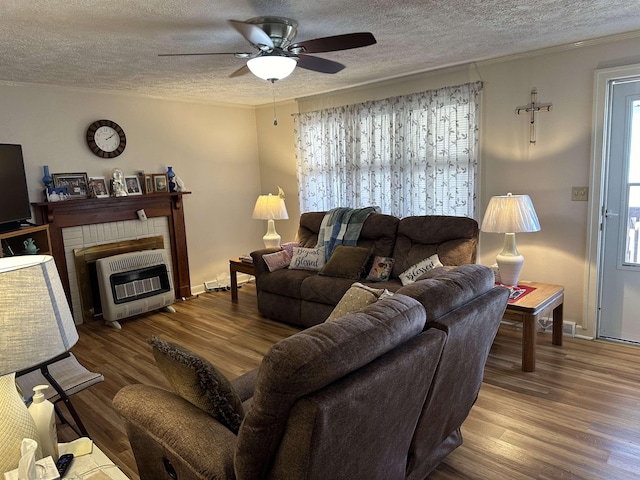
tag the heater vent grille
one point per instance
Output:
(135, 261)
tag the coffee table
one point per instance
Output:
(528, 309)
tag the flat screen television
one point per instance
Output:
(14, 194)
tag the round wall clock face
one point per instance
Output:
(106, 139)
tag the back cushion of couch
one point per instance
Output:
(378, 232)
(454, 239)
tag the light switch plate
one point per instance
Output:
(579, 194)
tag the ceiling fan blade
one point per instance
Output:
(241, 71)
(318, 64)
(196, 54)
(334, 43)
(254, 34)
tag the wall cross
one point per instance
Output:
(532, 108)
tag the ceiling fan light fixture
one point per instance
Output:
(272, 67)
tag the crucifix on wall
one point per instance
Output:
(533, 108)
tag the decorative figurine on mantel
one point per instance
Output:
(117, 184)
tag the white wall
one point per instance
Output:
(546, 171)
(213, 148)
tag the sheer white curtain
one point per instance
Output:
(411, 155)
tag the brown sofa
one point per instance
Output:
(377, 394)
(302, 297)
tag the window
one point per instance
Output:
(411, 155)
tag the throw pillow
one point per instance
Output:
(356, 298)
(199, 382)
(307, 258)
(346, 262)
(381, 269)
(277, 260)
(412, 273)
(289, 246)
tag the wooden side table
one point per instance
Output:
(236, 265)
(528, 309)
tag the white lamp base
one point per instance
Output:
(271, 238)
(16, 423)
(509, 261)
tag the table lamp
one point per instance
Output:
(510, 214)
(37, 326)
(270, 208)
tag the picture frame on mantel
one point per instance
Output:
(160, 183)
(132, 184)
(148, 183)
(77, 184)
(99, 187)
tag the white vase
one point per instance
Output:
(16, 423)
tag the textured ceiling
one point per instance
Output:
(113, 45)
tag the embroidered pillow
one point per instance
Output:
(356, 298)
(411, 274)
(198, 382)
(307, 259)
(277, 260)
(346, 262)
(381, 269)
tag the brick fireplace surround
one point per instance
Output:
(163, 210)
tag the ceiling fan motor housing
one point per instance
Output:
(281, 30)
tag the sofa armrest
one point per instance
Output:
(258, 263)
(162, 427)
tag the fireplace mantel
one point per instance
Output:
(74, 213)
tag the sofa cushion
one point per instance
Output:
(198, 382)
(277, 260)
(356, 298)
(450, 289)
(324, 289)
(346, 262)
(415, 271)
(454, 239)
(380, 269)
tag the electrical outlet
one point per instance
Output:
(579, 194)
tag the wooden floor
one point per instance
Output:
(576, 417)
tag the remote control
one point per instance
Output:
(63, 463)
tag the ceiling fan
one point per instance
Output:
(276, 55)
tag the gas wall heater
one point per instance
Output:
(134, 283)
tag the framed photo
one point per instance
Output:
(160, 182)
(148, 183)
(98, 187)
(77, 184)
(56, 194)
(132, 184)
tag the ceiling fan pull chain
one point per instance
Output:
(273, 89)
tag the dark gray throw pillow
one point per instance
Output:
(198, 382)
(346, 262)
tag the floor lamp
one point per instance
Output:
(37, 326)
(270, 208)
(510, 214)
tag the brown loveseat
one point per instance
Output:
(377, 394)
(302, 297)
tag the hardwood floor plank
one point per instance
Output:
(575, 417)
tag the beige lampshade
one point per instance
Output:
(36, 321)
(510, 214)
(37, 326)
(270, 207)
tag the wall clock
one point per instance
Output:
(106, 139)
